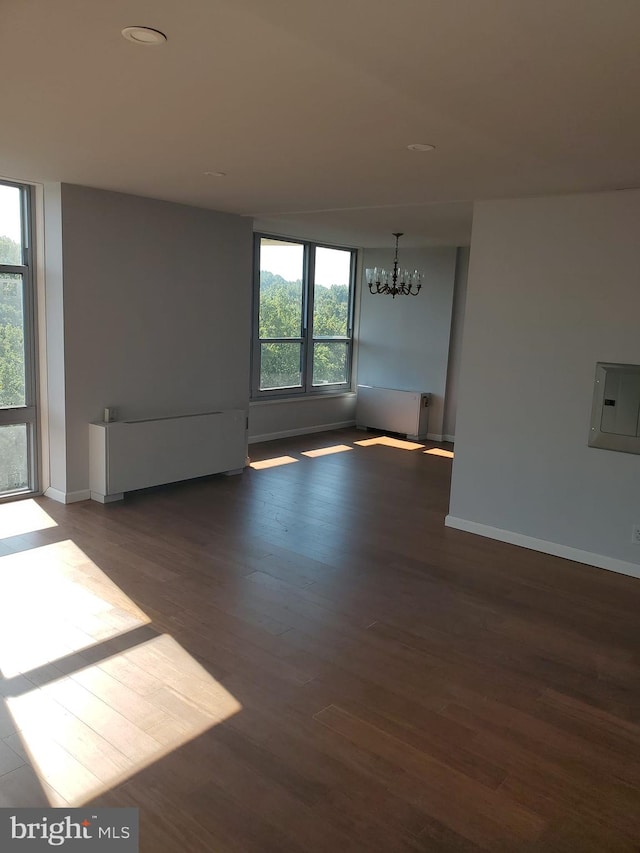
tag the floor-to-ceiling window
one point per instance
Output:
(303, 318)
(18, 423)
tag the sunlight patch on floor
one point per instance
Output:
(87, 732)
(20, 517)
(92, 693)
(326, 451)
(389, 441)
(272, 463)
(55, 601)
(438, 451)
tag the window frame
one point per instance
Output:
(28, 414)
(306, 339)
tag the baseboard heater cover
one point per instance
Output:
(405, 412)
(129, 455)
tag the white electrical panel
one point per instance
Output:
(615, 413)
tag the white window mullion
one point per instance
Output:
(308, 343)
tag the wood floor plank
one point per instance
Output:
(488, 817)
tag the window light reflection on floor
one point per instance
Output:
(56, 602)
(88, 731)
(439, 451)
(90, 692)
(272, 463)
(326, 451)
(20, 517)
(389, 441)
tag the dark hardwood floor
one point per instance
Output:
(303, 658)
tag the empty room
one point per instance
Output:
(320, 426)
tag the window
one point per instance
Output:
(303, 314)
(17, 352)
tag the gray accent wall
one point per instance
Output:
(403, 343)
(553, 288)
(156, 313)
(279, 418)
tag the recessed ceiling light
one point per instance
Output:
(216, 174)
(420, 146)
(144, 36)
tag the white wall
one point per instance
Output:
(156, 312)
(404, 342)
(553, 288)
(455, 342)
(56, 475)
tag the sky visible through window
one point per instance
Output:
(332, 265)
(9, 215)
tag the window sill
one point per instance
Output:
(300, 398)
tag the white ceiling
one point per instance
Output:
(308, 106)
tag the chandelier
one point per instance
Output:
(397, 282)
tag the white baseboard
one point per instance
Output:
(106, 499)
(450, 438)
(434, 436)
(272, 436)
(589, 558)
(67, 497)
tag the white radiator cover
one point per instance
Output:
(405, 412)
(128, 455)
